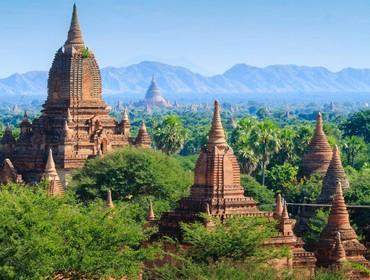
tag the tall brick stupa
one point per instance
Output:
(318, 153)
(338, 241)
(74, 122)
(216, 188)
(217, 192)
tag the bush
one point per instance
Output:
(260, 193)
(44, 236)
(132, 173)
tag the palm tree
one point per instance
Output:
(240, 141)
(265, 143)
(170, 135)
(352, 146)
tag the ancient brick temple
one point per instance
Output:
(318, 154)
(338, 241)
(335, 173)
(74, 122)
(217, 192)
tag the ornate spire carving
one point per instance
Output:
(318, 153)
(74, 39)
(143, 139)
(334, 174)
(109, 201)
(217, 134)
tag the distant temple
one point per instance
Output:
(217, 192)
(318, 154)
(74, 123)
(153, 97)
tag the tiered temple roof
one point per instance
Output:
(217, 193)
(74, 120)
(143, 139)
(334, 174)
(318, 154)
(216, 186)
(339, 230)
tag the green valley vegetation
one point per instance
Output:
(76, 235)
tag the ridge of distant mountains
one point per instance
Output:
(240, 78)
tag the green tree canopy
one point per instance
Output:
(170, 135)
(358, 124)
(132, 173)
(44, 236)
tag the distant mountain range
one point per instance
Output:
(241, 78)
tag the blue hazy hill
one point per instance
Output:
(241, 78)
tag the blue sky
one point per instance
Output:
(207, 36)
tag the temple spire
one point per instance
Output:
(285, 214)
(109, 202)
(278, 206)
(339, 254)
(334, 174)
(217, 133)
(318, 154)
(125, 115)
(74, 39)
(150, 216)
(338, 216)
(143, 138)
(55, 186)
(50, 170)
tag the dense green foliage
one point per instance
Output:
(132, 174)
(315, 226)
(41, 236)
(231, 250)
(170, 135)
(358, 124)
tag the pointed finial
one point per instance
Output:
(50, 169)
(125, 115)
(285, 214)
(50, 164)
(109, 201)
(74, 39)
(143, 139)
(67, 132)
(339, 251)
(208, 211)
(25, 116)
(278, 206)
(319, 121)
(150, 216)
(143, 126)
(217, 134)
